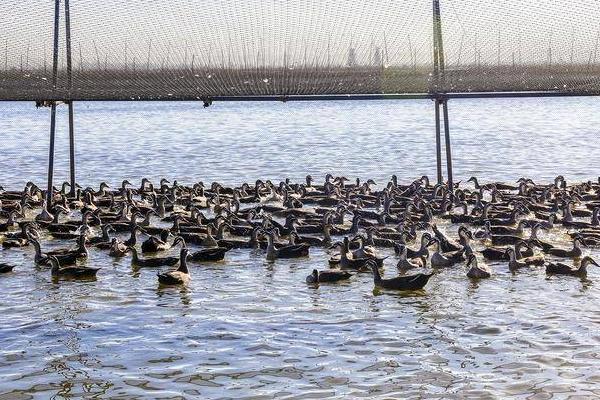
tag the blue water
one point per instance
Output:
(248, 328)
(235, 142)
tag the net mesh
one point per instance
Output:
(193, 49)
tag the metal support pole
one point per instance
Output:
(438, 142)
(49, 193)
(72, 149)
(448, 146)
(70, 85)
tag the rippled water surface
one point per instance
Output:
(249, 328)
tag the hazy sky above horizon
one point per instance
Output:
(315, 32)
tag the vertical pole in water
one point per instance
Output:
(436, 73)
(448, 146)
(438, 142)
(53, 107)
(70, 85)
(440, 85)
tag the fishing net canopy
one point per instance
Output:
(197, 49)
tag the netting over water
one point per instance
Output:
(187, 49)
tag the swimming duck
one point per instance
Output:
(513, 263)
(423, 250)
(181, 276)
(289, 251)
(574, 252)
(151, 262)
(477, 271)
(444, 260)
(563, 269)
(507, 230)
(80, 252)
(10, 222)
(97, 241)
(5, 268)
(407, 282)
(210, 254)
(43, 258)
(154, 244)
(71, 272)
(327, 276)
(524, 253)
(117, 248)
(405, 264)
(446, 245)
(491, 186)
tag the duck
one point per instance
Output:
(41, 258)
(151, 262)
(477, 270)
(288, 251)
(154, 244)
(6, 268)
(328, 276)
(97, 241)
(527, 255)
(494, 253)
(210, 254)
(423, 250)
(118, 248)
(444, 260)
(71, 272)
(446, 245)
(507, 230)
(80, 252)
(515, 264)
(404, 283)
(28, 229)
(181, 276)
(564, 269)
(10, 222)
(405, 264)
(252, 243)
(575, 252)
(364, 251)
(491, 186)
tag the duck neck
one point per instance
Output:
(567, 212)
(38, 250)
(326, 233)
(134, 254)
(595, 217)
(55, 267)
(183, 263)
(534, 233)
(404, 254)
(424, 241)
(270, 246)
(55, 217)
(376, 274)
(133, 237)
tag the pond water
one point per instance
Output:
(249, 328)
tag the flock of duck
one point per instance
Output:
(497, 221)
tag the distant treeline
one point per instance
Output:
(140, 84)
